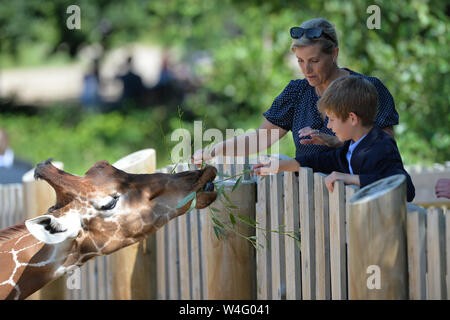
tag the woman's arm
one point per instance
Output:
(259, 140)
(275, 166)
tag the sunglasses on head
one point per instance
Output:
(310, 33)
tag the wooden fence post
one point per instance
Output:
(338, 253)
(307, 233)
(416, 237)
(38, 197)
(133, 269)
(230, 262)
(292, 253)
(263, 257)
(322, 226)
(377, 254)
(436, 288)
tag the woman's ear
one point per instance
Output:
(335, 54)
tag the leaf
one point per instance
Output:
(236, 185)
(247, 220)
(188, 198)
(215, 209)
(193, 204)
(232, 219)
(216, 221)
(223, 175)
(217, 231)
(226, 197)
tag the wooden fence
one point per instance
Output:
(186, 260)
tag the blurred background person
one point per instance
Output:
(12, 169)
(90, 96)
(132, 83)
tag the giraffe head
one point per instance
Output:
(109, 209)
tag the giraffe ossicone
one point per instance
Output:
(98, 214)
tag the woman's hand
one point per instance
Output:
(442, 188)
(200, 156)
(264, 167)
(318, 138)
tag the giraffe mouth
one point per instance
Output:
(207, 178)
(206, 193)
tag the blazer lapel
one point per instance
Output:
(361, 150)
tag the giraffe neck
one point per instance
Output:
(27, 264)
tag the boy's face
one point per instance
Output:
(342, 129)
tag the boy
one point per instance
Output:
(368, 154)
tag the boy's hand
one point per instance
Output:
(318, 138)
(347, 178)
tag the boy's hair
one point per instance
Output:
(350, 94)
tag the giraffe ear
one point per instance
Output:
(52, 230)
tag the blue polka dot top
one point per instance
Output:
(296, 108)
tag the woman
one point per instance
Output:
(315, 45)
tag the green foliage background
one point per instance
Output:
(248, 42)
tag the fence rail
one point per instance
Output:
(185, 260)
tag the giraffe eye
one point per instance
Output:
(110, 205)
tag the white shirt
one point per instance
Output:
(7, 159)
(351, 148)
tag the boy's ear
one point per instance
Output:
(354, 118)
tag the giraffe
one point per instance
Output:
(98, 214)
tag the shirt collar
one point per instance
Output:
(353, 145)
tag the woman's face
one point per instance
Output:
(316, 66)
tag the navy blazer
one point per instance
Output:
(374, 158)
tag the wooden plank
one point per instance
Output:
(3, 207)
(436, 255)
(19, 196)
(349, 192)
(276, 241)
(161, 259)
(194, 241)
(415, 235)
(173, 261)
(338, 253)
(10, 199)
(84, 282)
(291, 205)
(183, 240)
(101, 280)
(447, 247)
(307, 234)
(93, 287)
(322, 226)
(263, 257)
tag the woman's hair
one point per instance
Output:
(327, 45)
(350, 94)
